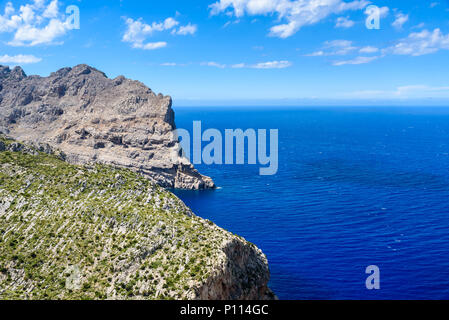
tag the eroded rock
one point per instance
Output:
(92, 118)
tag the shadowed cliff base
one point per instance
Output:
(244, 275)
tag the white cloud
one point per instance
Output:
(213, 64)
(383, 11)
(33, 36)
(228, 23)
(416, 44)
(150, 45)
(344, 22)
(421, 43)
(175, 64)
(295, 13)
(341, 47)
(272, 65)
(369, 49)
(9, 9)
(238, 66)
(357, 60)
(419, 26)
(335, 48)
(168, 24)
(261, 65)
(185, 30)
(35, 23)
(399, 21)
(403, 92)
(52, 10)
(420, 89)
(138, 32)
(19, 59)
(319, 53)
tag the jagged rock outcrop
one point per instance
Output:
(99, 232)
(94, 119)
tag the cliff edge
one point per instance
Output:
(94, 119)
(100, 232)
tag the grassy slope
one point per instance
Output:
(73, 232)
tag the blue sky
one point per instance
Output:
(209, 52)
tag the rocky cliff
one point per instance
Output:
(101, 232)
(93, 119)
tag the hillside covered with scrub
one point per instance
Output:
(98, 232)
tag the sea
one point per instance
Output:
(355, 187)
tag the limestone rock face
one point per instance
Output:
(94, 119)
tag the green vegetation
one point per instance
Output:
(74, 232)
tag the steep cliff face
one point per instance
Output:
(93, 119)
(98, 232)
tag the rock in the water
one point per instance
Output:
(92, 118)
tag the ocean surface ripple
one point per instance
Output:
(355, 187)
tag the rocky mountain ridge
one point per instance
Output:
(94, 119)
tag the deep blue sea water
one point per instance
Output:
(355, 187)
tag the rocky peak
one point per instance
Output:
(61, 72)
(17, 74)
(92, 118)
(85, 69)
(4, 71)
